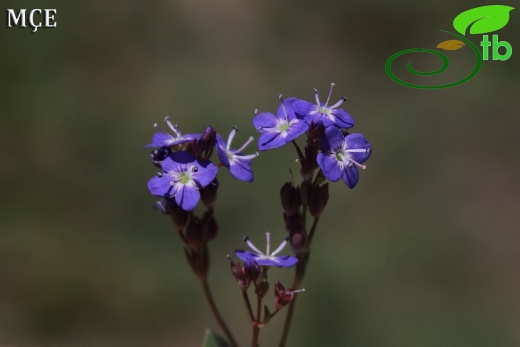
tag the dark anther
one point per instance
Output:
(246, 238)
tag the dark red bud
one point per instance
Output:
(317, 198)
(177, 214)
(194, 236)
(291, 199)
(262, 288)
(208, 195)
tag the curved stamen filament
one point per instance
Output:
(172, 126)
(330, 93)
(250, 244)
(282, 246)
(316, 97)
(248, 157)
(342, 100)
(245, 144)
(355, 162)
(283, 107)
(231, 136)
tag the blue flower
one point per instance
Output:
(165, 139)
(278, 130)
(182, 178)
(239, 165)
(340, 155)
(329, 115)
(267, 259)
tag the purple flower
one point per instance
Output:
(341, 154)
(164, 139)
(278, 130)
(329, 115)
(182, 178)
(239, 165)
(267, 259)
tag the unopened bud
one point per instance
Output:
(316, 131)
(291, 199)
(208, 195)
(194, 237)
(252, 269)
(317, 198)
(177, 214)
(299, 241)
(261, 289)
(206, 141)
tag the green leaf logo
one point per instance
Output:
(482, 20)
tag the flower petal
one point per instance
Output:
(350, 176)
(302, 107)
(342, 118)
(286, 261)
(332, 140)
(160, 186)
(182, 157)
(264, 121)
(330, 166)
(358, 141)
(241, 170)
(296, 128)
(187, 197)
(222, 151)
(206, 173)
(270, 140)
(245, 255)
(288, 104)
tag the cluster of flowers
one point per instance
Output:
(185, 164)
(340, 152)
(188, 175)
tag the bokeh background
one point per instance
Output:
(423, 252)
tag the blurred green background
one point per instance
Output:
(423, 252)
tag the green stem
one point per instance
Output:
(216, 313)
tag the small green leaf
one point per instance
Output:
(213, 340)
(482, 20)
(267, 315)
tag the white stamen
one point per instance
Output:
(336, 105)
(231, 136)
(267, 236)
(283, 107)
(358, 164)
(330, 93)
(317, 97)
(249, 157)
(245, 144)
(295, 291)
(282, 246)
(250, 244)
(172, 126)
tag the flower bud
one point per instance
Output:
(208, 194)
(177, 214)
(252, 269)
(291, 200)
(317, 198)
(205, 143)
(261, 289)
(299, 241)
(316, 131)
(194, 237)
